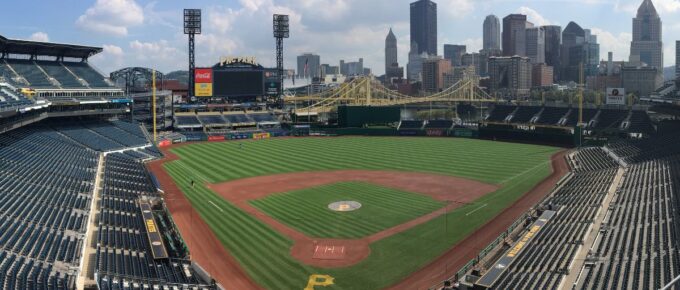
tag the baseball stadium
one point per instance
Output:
(109, 183)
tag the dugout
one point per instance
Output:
(361, 116)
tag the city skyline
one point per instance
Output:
(148, 33)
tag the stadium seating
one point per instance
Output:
(123, 254)
(188, 121)
(11, 100)
(212, 120)
(31, 72)
(524, 114)
(591, 159)
(236, 119)
(56, 70)
(264, 117)
(588, 114)
(46, 182)
(610, 119)
(637, 246)
(93, 78)
(546, 259)
(552, 115)
(500, 113)
(639, 122)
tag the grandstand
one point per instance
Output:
(58, 73)
(615, 226)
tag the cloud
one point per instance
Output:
(39, 36)
(619, 44)
(112, 17)
(112, 58)
(456, 8)
(667, 6)
(533, 16)
(113, 50)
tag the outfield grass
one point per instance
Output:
(264, 253)
(381, 208)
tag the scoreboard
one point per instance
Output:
(238, 83)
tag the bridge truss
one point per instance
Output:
(366, 91)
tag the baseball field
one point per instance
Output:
(267, 203)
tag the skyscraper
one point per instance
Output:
(535, 44)
(647, 45)
(492, 33)
(592, 56)
(308, 65)
(553, 39)
(454, 53)
(572, 52)
(514, 35)
(434, 69)
(424, 26)
(510, 76)
(391, 61)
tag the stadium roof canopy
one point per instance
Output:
(15, 46)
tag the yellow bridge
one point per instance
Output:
(369, 92)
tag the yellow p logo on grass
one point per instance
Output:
(318, 280)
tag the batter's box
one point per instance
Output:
(326, 252)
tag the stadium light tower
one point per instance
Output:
(281, 31)
(192, 26)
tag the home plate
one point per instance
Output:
(326, 252)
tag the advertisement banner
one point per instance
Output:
(216, 138)
(203, 75)
(434, 132)
(203, 90)
(616, 96)
(258, 136)
(164, 143)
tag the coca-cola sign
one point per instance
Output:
(203, 75)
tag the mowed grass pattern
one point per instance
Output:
(264, 253)
(489, 162)
(307, 210)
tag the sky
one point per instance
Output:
(148, 33)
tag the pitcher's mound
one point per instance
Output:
(344, 206)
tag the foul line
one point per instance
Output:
(476, 209)
(215, 206)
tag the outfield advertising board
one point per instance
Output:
(616, 96)
(203, 79)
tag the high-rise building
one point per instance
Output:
(434, 69)
(472, 60)
(535, 44)
(573, 52)
(641, 81)
(309, 66)
(492, 33)
(391, 60)
(414, 67)
(647, 45)
(677, 59)
(514, 35)
(424, 26)
(553, 40)
(353, 68)
(510, 76)
(454, 53)
(592, 54)
(541, 76)
(484, 56)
